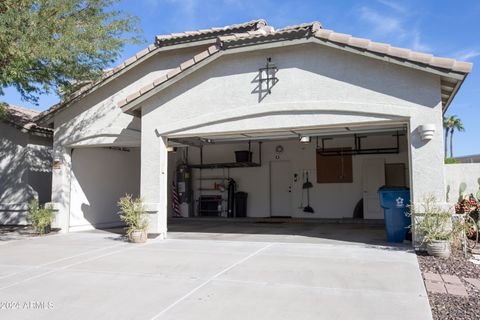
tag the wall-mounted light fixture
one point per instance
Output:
(426, 131)
(305, 139)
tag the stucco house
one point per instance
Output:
(25, 164)
(328, 118)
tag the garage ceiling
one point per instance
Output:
(285, 134)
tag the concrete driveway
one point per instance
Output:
(96, 275)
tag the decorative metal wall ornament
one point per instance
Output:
(268, 75)
(266, 79)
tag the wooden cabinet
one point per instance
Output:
(334, 168)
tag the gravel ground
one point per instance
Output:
(445, 306)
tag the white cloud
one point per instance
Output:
(382, 24)
(466, 55)
(393, 5)
(397, 28)
(417, 44)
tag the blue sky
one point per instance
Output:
(441, 27)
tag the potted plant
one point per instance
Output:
(41, 218)
(135, 217)
(436, 226)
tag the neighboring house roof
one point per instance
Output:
(453, 72)
(198, 37)
(22, 118)
(472, 158)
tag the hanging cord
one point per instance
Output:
(342, 163)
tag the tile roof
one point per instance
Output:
(211, 33)
(23, 119)
(386, 49)
(160, 42)
(307, 30)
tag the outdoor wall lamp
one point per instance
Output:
(426, 131)
(305, 139)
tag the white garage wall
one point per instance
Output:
(336, 200)
(100, 176)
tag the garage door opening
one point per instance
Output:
(321, 182)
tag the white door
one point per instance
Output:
(373, 172)
(280, 188)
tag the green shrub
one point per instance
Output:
(39, 217)
(133, 214)
(450, 161)
(435, 223)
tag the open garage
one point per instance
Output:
(298, 176)
(333, 175)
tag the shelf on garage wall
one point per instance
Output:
(225, 165)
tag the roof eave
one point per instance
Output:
(454, 93)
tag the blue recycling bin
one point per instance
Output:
(395, 201)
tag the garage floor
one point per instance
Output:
(97, 275)
(279, 230)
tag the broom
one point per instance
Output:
(307, 185)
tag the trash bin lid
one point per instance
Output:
(384, 188)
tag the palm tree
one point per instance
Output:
(447, 125)
(456, 124)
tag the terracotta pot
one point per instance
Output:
(138, 236)
(439, 248)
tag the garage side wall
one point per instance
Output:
(100, 176)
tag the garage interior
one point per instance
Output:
(100, 176)
(318, 182)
